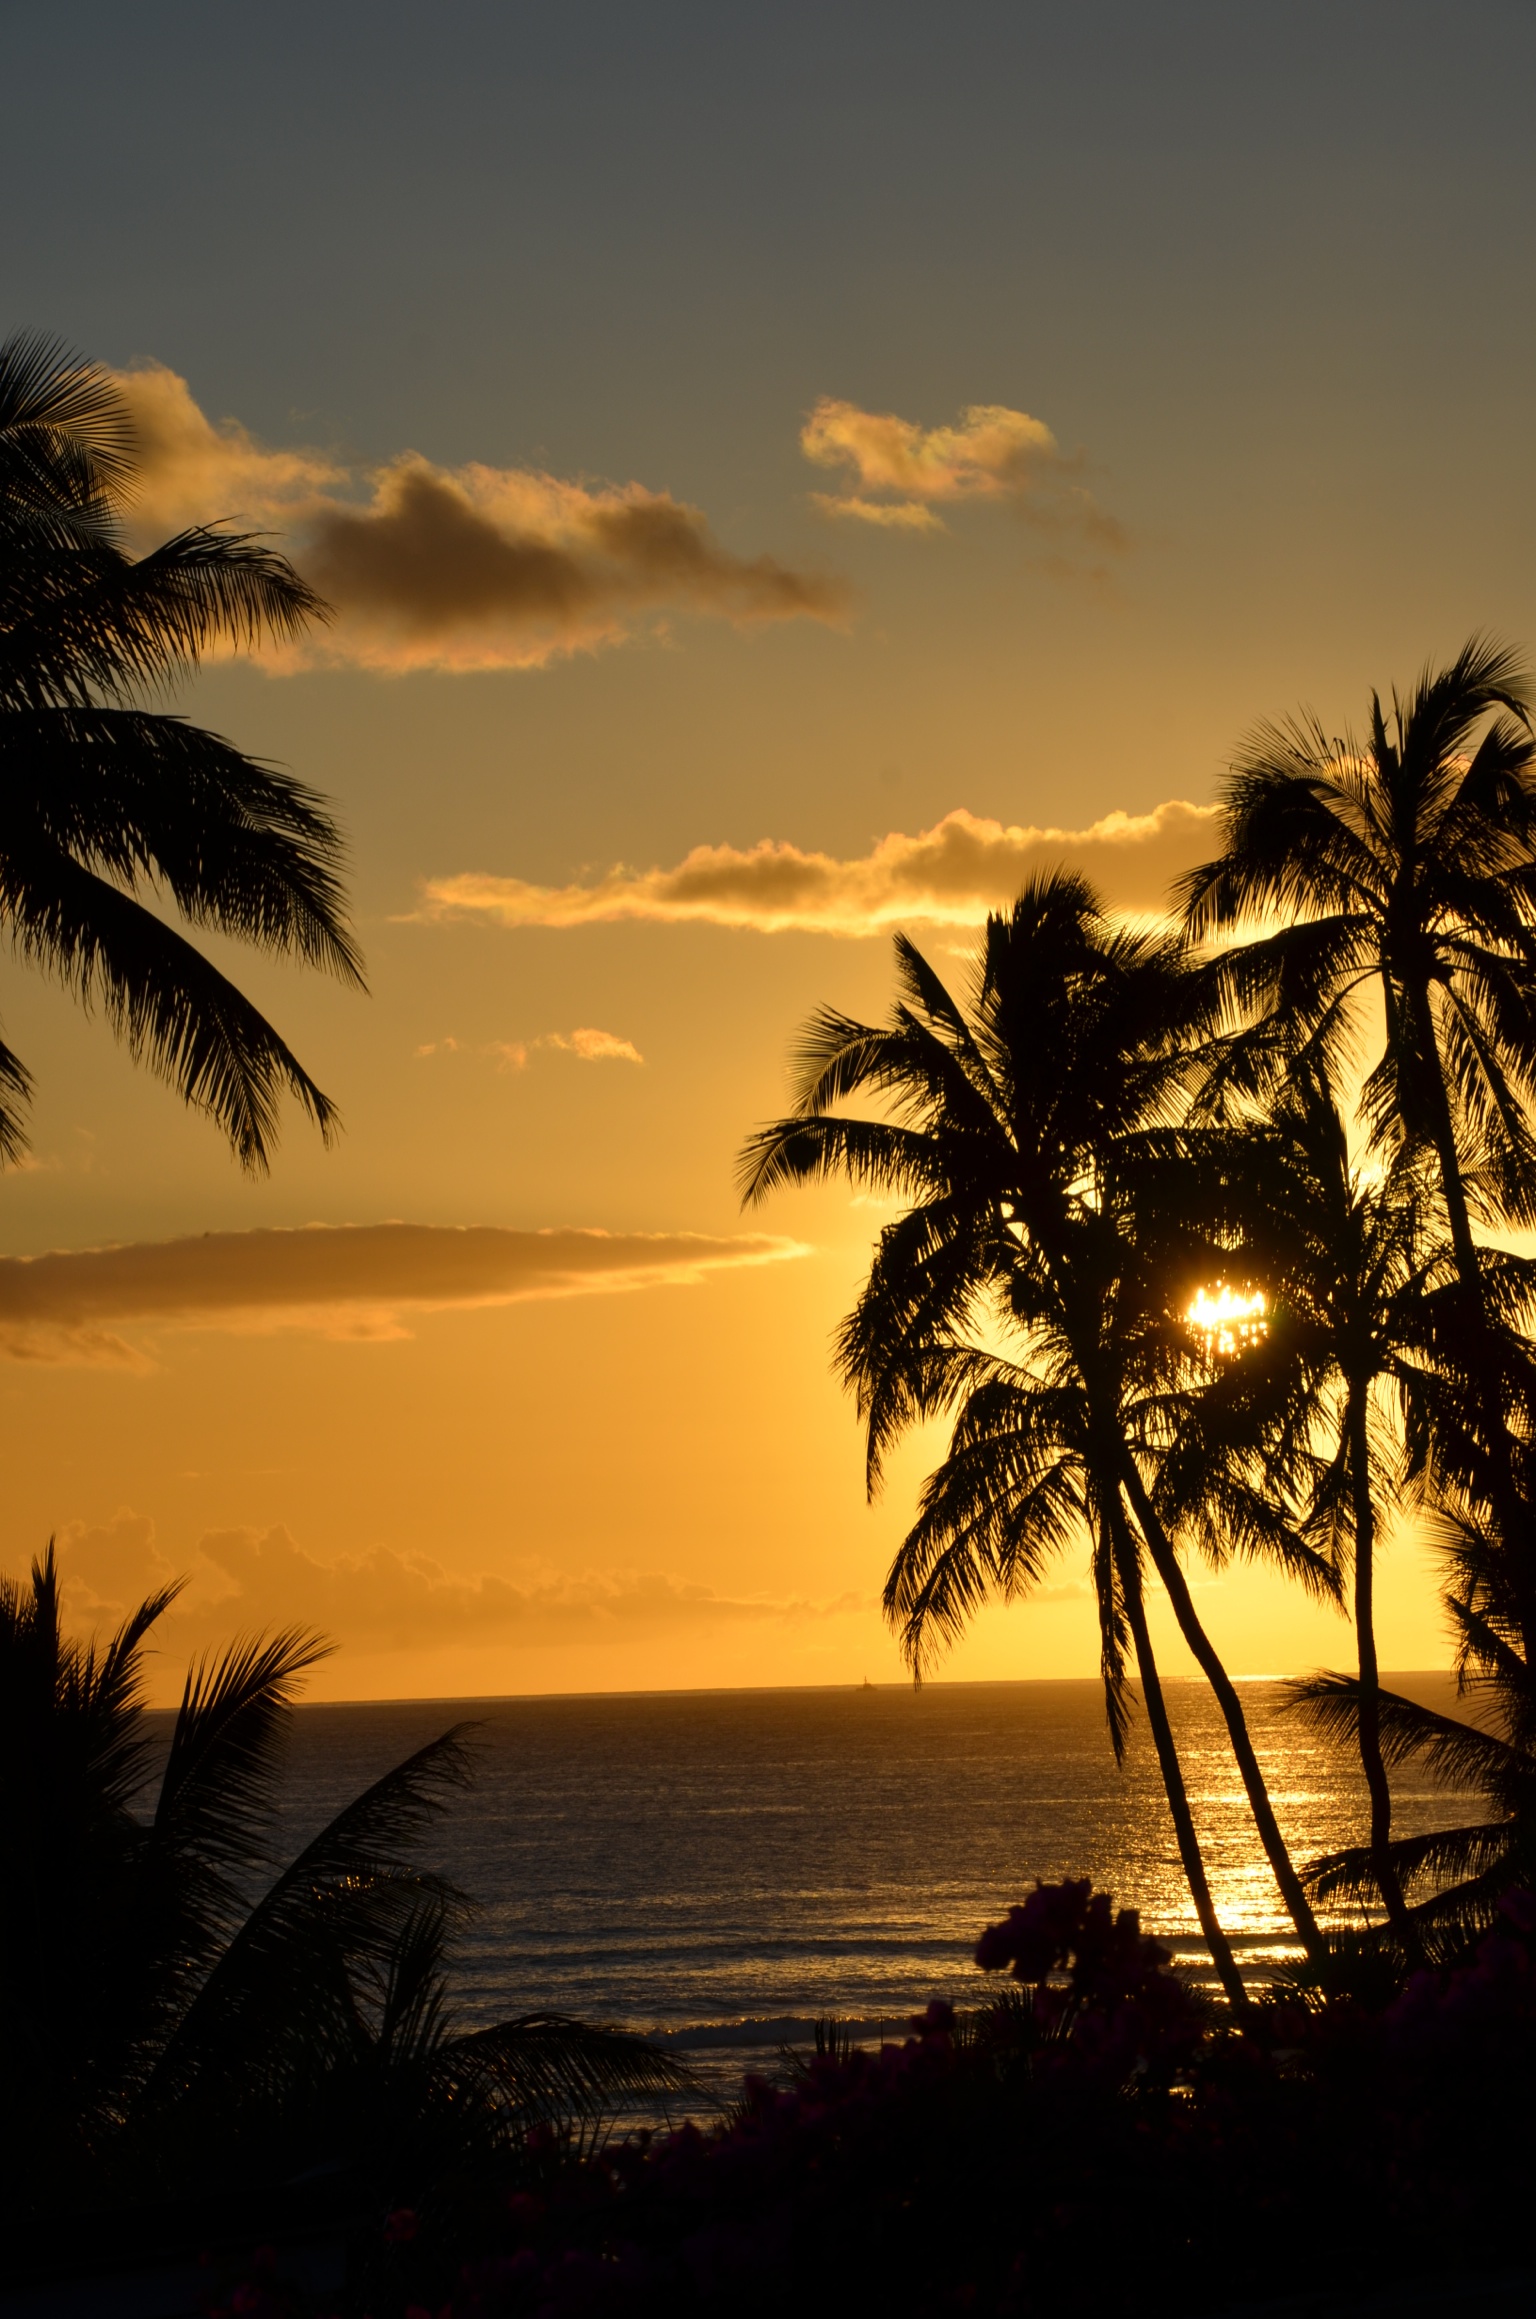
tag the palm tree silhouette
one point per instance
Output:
(1038, 1140)
(1404, 866)
(184, 2008)
(1357, 1268)
(105, 802)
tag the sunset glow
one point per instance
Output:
(1228, 1319)
(762, 510)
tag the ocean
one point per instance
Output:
(723, 1867)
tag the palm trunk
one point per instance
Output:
(1443, 1134)
(1357, 1420)
(1513, 1525)
(1173, 1777)
(1166, 1563)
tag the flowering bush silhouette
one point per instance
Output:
(1118, 2005)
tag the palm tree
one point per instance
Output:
(1356, 1270)
(180, 2006)
(106, 803)
(1038, 1140)
(1404, 866)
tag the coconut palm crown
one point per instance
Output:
(1403, 864)
(107, 804)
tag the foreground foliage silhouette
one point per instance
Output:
(183, 2012)
(105, 803)
(1093, 2137)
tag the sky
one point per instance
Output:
(781, 475)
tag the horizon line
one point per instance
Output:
(759, 1690)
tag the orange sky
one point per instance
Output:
(724, 577)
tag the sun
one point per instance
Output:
(1228, 1319)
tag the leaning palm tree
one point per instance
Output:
(1403, 866)
(107, 804)
(1028, 1133)
(182, 2006)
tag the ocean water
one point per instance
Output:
(723, 1867)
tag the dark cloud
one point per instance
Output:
(344, 1280)
(490, 567)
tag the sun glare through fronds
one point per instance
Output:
(1228, 1319)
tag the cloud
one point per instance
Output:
(586, 1044)
(194, 469)
(473, 567)
(491, 568)
(899, 472)
(950, 875)
(596, 1047)
(385, 1599)
(348, 1280)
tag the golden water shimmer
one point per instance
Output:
(735, 1861)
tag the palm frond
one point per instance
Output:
(66, 443)
(132, 797)
(170, 1007)
(1459, 1754)
(1443, 1859)
(218, 1791)
(549, 2069)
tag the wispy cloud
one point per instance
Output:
(473, 567)
(385, 1599)
(950, 875)
(899, 473)
(350, 1280)
(585, 1043)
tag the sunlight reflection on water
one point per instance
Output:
(687, 1858)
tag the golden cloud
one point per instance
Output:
(194, 470)
(346, 1280)
(585, 1043)
(384, 1599)
(473, 567)
(898, 471)
(950, 875)
(590, 1046)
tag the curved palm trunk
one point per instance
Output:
(1172, 1770)
(1507, 1501)
(1168, 1568)
(1371, 1762)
